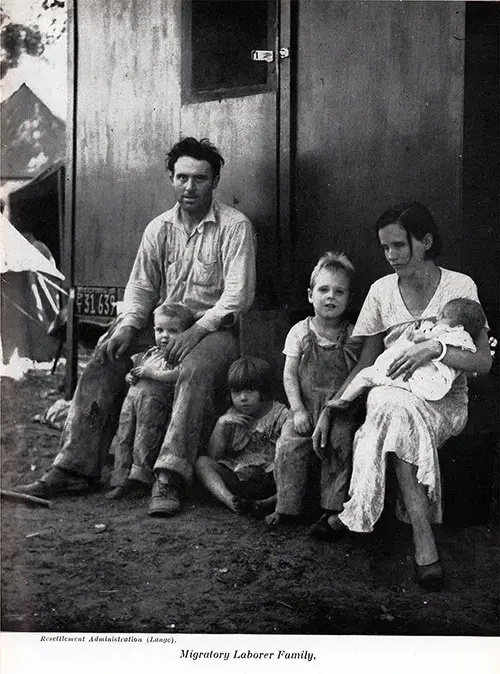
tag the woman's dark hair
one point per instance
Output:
(203, 150)
(417, 220)
(250, 373)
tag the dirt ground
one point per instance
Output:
(210, 571)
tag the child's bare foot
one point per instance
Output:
(274, 518)
(263, 507)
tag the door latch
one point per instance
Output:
(263, 55)
(268, 55)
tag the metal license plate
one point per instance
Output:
(96, 301)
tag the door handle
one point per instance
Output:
(267, 55)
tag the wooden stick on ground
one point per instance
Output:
(25, 498)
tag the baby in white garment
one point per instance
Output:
(459, 324)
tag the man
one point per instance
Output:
(201, 253)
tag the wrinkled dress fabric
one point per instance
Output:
(397, 421)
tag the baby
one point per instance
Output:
(147, 407)
(459, 324)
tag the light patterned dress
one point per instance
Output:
(397, 420)
(255, 446)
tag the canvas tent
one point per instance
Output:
(29, 297)
(33, 138)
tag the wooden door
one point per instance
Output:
(376, 119)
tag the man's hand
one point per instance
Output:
(302, 421)
(117, 345)
(320, 433)
(178, 346)
(413, 358)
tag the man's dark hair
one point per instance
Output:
(417, 220)
(250, 373)
(203, 150)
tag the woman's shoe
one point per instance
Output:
(430, 576)
(326, 530)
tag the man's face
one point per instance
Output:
(193, 183)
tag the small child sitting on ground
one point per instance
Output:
(459, 324)
(319, 355)
(238, 470)
(147, 406)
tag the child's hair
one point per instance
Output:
(176, 310)
(333, 262)
(468, 313)
(250, 373)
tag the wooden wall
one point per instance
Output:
(127, 114)
(378, 117)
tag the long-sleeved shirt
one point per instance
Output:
(211, 270)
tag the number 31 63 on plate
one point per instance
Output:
(96, 301)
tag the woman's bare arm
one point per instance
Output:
(479, 362)
(422, 353)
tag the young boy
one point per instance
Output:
(459, 323)
(319, 355)
(147, 406)
(238, 470)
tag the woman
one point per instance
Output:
(397, 421)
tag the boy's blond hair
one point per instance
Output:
(333, 261)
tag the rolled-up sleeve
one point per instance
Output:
(142, 290)
(238, 267)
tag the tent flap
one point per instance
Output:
(17, 254)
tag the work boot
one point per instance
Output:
(166, 495)
(56, 482)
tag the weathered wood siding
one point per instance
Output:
(379, 121)
(378, 118)
(127, 114)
